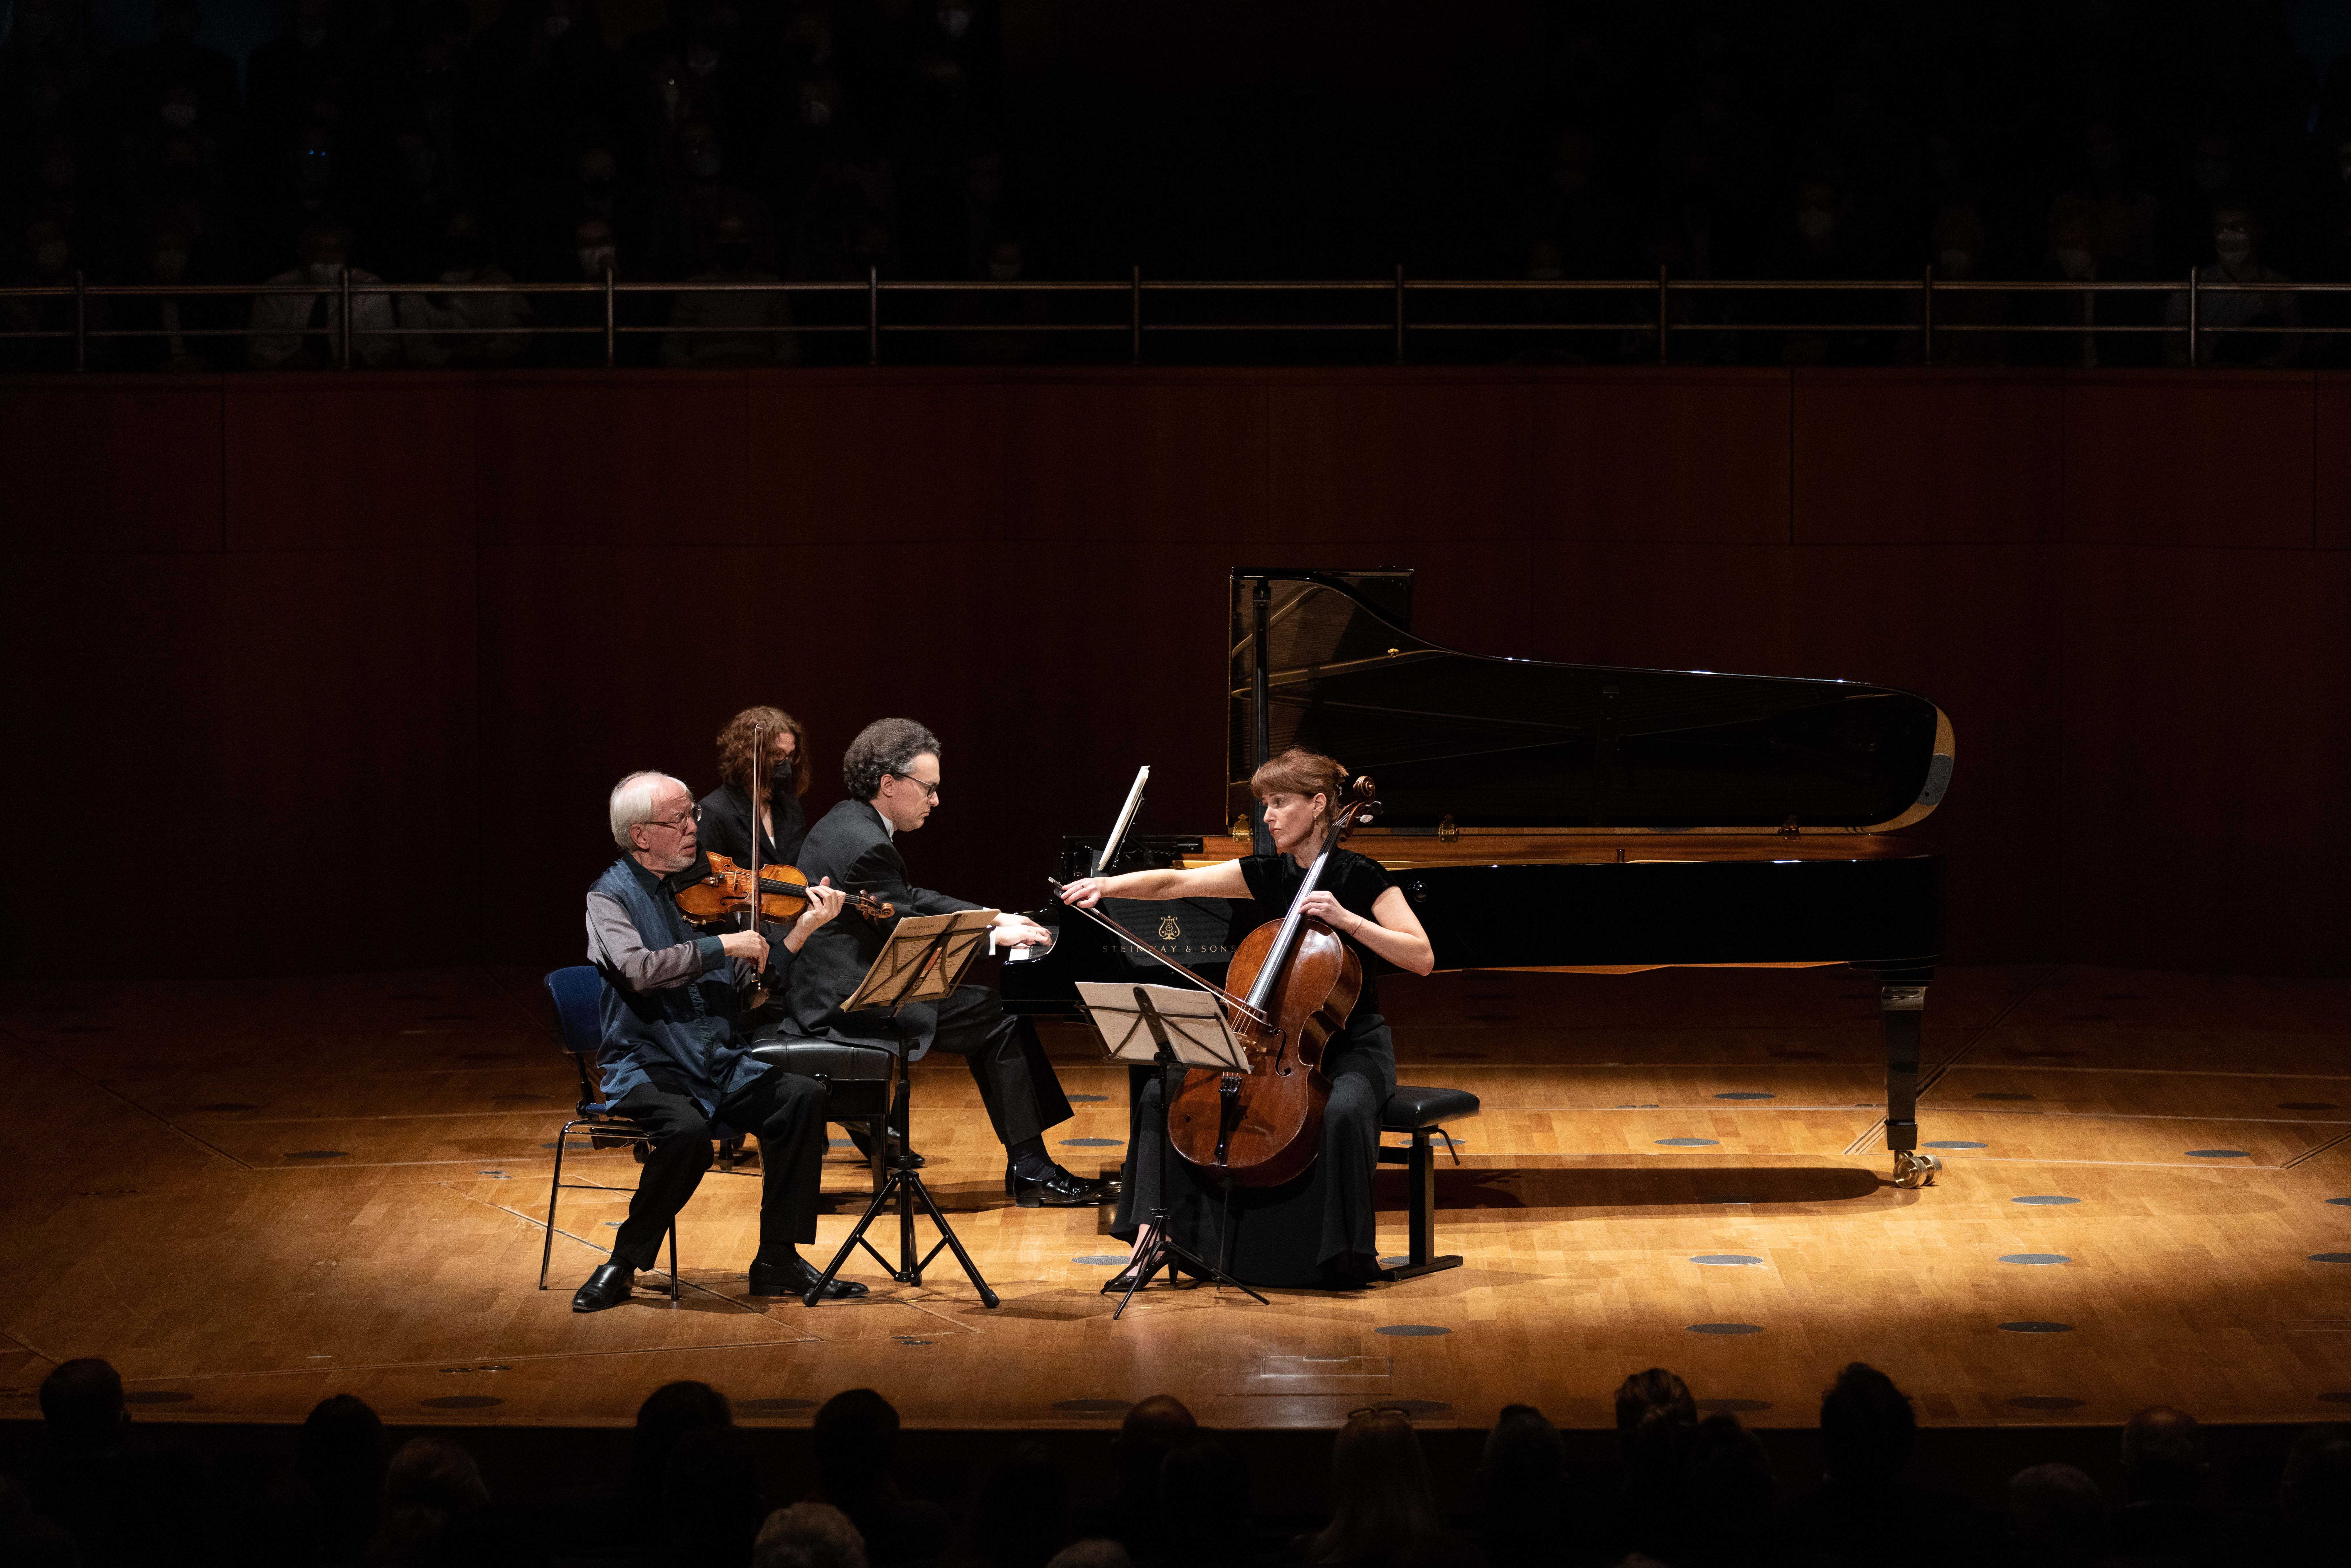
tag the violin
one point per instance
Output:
(783, 893)
(1299, 982)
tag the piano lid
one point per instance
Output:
(1325, 660)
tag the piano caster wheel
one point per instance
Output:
(1915, 1170)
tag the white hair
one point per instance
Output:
(808, 1535)
(633, 803)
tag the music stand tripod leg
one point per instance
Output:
(1162, 1251)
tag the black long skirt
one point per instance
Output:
(1315, 1230)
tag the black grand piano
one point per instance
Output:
(1566, 817)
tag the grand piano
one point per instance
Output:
(1574, 817)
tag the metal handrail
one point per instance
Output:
(1398, 323)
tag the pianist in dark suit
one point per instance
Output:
(1318, 1228)
(891, 771)
(766, 790)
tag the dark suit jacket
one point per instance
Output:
(726, 827)
(849, 845)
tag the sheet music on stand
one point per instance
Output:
(922, 959)
(1193, 1022)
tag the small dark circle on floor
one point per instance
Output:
(1747, 1094)
(2331, 1257)
(2034, 1258)
(2045, 1198)
(1413, 1331)
(1084, 1099)
(1689, 1143)
(1726, 1328)
(1100, 1260)
(1091, 1143)
(2219, 1153)
(2033, 1326)
(1954, 1143)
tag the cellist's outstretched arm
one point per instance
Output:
(1222, 880)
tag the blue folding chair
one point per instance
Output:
(578, 1027)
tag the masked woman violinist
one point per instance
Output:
(764, 792)
(1316, 1229)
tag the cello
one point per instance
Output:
(1290, 987)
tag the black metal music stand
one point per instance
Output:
(1162, 1251)
(922, 963)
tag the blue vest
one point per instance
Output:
(682, 1036)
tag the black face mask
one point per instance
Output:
(780, 779)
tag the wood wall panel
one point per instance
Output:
(611, 458)
(1443, 457)
(1945, 457)
(2331, 449)
(131, 463)
(1034, 563)
(2206, 712)
(340, 461)
(844, 455)
(2221, 459)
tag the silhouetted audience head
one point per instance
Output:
(1151, 1427)
(2163, 1455)
(344, 1453)
(808, 1535)
(1654, 1390)
(2315, 1492)
(714, 1500)
(1203, 1500)
(1022, 1515)
(1867, 1425)
(2056, 1512)
(668, 1414)
(1092, 1553)
(1523, 1454)
(856, 1433)
(1383, 1505)
(81, 1405)
(432, 1490)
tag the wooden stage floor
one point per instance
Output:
(248, 1195)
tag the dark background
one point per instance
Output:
(333, 671)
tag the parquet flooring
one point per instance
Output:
(250, 1194)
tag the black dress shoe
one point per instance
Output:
(1056, 1189)
(609, 1286)
(794, 1276)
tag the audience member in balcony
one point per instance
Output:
(1868, 1497)
(1523, 1514)
(2109, 183)
(701, 194)
(989, 324)
(304, 331)
(717, 330)
(2222, 312)
(596, 253)
(1958, 249)
(1022, 1517)
(808, 1535)
(44, 259)
(1383, 1503)
(2056, 1518)
(141, 77)
(501, 323)
(1149, 1429)
(2075, 255)
(856, 1439)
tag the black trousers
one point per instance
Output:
(1017, 1081)
(785, 1111)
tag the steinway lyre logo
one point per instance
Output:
(1169, 929)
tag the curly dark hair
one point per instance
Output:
(885, 746)
(738, 767)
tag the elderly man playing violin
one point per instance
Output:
(674, 1055)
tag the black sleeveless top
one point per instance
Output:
(1356, 881)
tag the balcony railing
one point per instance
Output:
(1639, 311)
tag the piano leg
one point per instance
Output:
(1902, 1008)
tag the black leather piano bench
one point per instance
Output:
(856, 1079)
(1423, 1112)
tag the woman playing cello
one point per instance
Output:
(1316, 1229)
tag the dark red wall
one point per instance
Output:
(353, 660)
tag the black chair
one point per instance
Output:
(576, 992)
(1423, 1112)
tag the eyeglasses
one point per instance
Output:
(676, 824)
(929, 787)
